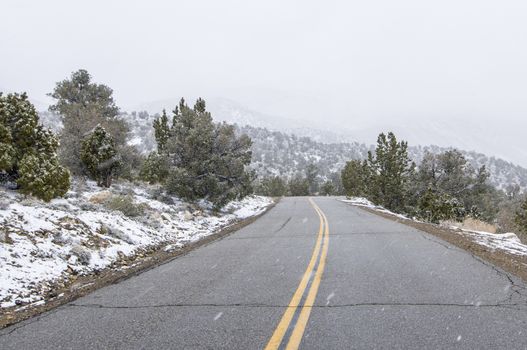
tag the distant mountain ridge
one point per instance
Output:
(467, 133)
(288, 151)
(277, 153)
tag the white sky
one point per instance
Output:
(337, 61)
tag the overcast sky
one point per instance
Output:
(337, 61)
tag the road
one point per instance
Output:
(336, 277)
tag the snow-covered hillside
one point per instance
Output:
(276, 153)
(44, 245)
(288, 153)
(502, 139)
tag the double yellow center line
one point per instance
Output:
(295, 326)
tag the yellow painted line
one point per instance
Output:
(301, 323)
(283, 325)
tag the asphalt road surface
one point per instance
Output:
(313, 274)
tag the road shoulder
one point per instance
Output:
(514, 264)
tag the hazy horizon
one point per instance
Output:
(345, 65)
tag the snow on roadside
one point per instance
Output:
(363, 202)
(507, 242)
(43, 243)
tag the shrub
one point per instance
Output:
(83, 255)
(99, 155)
(436, 207)
(28, 152)
(126, 205)
(116, 233)
(272, 186)
(472, 225)
(155, 168)
(521, 217)
(298, 186)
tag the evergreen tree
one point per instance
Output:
(481, 198)
(273, 187)
(206, 160)
(83, 105)
(436, 207)
(311, 177)
(162, 131)
(131, 163)
(521, 217)
(155, 168)
(298, 186)
(336, 180)
(390, 171)
(8, 153)
(451, 177)
(355, 178)
(328, 188)
(29, 152)
(100, 157)
(455, 175)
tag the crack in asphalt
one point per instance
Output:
(283, 225)
(257, 305)
(502, 305)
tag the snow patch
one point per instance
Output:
(363, 202)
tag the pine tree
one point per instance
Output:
(311, 177)
(155, 168)
(436, 207)
(454, 180)
(7, 151)
(391, 170)
(521, 217)
(355, 178)
(43, 178)
(82, 105)
(100, 157)
(162, 131)
(272, 186)
(328, 188)
(29, 152)
(455, 175)
(206, 160)
(298, 186)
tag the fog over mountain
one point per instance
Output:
(463, 133)
(450, 73)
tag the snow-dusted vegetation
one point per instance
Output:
(279, 153)
(75, 201)
(45, 244)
